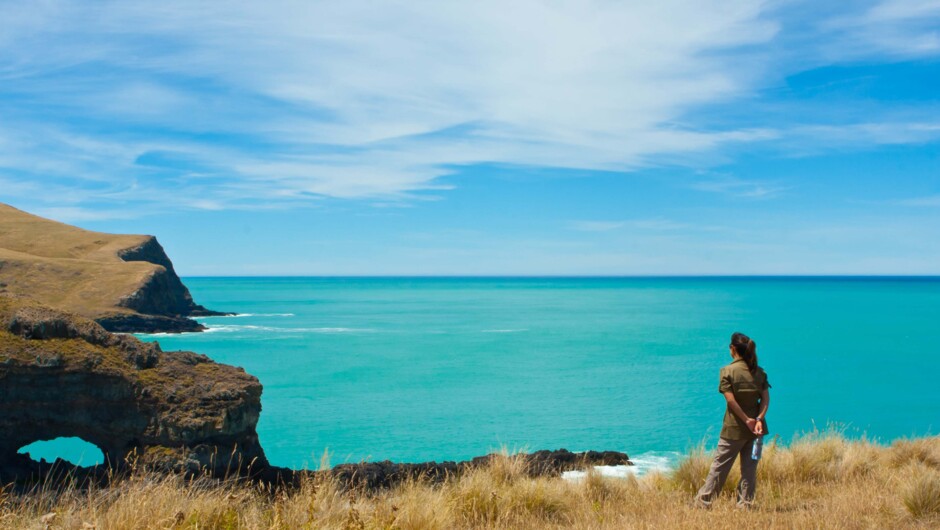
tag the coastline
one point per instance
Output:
(823, 480)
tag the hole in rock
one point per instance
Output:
(74, 450)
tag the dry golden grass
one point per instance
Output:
(821, 481)
(67, 267)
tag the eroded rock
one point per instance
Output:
(62, 375)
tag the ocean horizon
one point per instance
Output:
(418, 368)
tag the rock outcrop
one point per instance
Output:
(63, 375)
(386, 474)
(124, 282)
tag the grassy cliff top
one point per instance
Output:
(92, 274)
(28, 234)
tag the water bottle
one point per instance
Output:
(757, 448)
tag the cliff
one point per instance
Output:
(124, 282)
(63, 375)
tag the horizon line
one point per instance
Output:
(574, 276)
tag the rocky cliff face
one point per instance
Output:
(62, 375)
(124, 282)
(162, 302)
(163, 293)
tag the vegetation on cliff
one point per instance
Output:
(125, 282)
(820, 481)
(62, 375)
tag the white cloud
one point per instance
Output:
(656, 224)
(737, 187)
(926, 201)
(74, 214)
(596, 226)
(358, 99)
(905, 28)
(288, 100)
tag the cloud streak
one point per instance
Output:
(903, 28)
(740, 188)
(245, 104)
(355, 99)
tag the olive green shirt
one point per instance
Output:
(747, 389)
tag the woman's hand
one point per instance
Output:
(752, 425)
(755, 425)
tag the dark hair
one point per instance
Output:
(746, 349)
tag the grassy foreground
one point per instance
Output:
(820, 481)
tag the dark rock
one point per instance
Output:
(385, 474)
(138, 323)
(63, 376)
(163, 293)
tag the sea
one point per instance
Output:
(422, 369)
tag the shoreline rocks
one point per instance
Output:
(63, 375)
(385, 474)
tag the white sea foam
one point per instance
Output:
(643, 464)
(338, 330)
(221, 328)
(162, 333)
(233, 328)
(242, 315)
(503, 330)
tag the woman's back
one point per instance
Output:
(747, 387)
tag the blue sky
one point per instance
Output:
(300, 137)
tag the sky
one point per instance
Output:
(529, 137)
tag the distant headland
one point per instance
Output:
(126, 283)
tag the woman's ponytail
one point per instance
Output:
(746, 350)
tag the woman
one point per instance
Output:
(745, 387)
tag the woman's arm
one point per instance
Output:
(764, 405)
(736, 409)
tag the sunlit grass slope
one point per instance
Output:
(67, 267)
(820, 481)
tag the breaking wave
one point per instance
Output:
(645, 463)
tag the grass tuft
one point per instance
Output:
(921, 495)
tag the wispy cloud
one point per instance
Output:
(871, 133)
(931, 201)
(291, 100)
(742, 188)
(906, 28)
(596, 226)
(75, 214)
(657, 224)
(244, 104)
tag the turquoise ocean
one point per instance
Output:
(417, 369)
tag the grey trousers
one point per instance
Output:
(727, 451)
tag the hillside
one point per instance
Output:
(124, 282)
